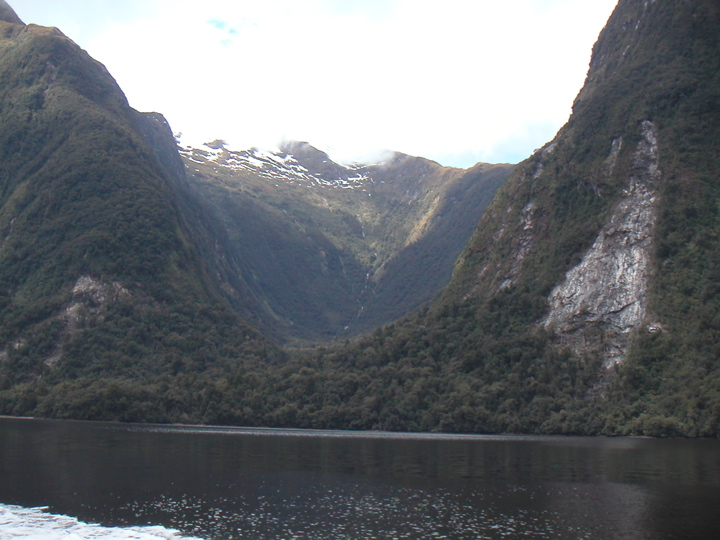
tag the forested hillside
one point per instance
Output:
(125, 279)
(98, 273)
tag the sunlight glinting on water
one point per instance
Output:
(340, 512)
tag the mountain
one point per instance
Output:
(100, 276)
(611, 226)
(331, 250)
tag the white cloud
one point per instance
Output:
(458, 81)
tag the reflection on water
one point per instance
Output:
(270, 484)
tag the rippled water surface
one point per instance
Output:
(96, 480)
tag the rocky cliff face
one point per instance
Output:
(87, 307)
(603, 300)
(578, 221)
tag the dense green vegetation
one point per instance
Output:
(97, 198)
(98, 270)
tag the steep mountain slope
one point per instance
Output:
(333, 250)
(599, 220)
(98, 273)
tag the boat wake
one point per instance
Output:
(38, 524)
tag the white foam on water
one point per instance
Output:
(38, 524)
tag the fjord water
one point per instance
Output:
(116, 480)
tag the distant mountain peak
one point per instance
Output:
(295, 163)
(8, 14)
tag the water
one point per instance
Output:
(73, 480)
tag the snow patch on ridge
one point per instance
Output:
(275, 167)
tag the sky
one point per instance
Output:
(456, 81)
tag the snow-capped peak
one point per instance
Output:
(277, 166)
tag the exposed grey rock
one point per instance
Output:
(90, 300)
(614, 152)
(525, 244)
(603, 299)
